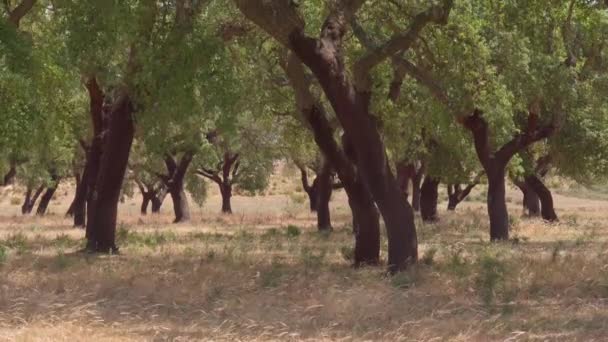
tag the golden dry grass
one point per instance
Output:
(250, 277)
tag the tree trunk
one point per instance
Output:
(180, 205)
(146, 199)
(531, 202)
(428, 199)
(70, 211)
(175, 186)
(26, 201)
(546, 199)
(351, 106)
(48, 195)
(405, 174)
(366, 226)
(80, 198)
(9, 177)
(323, 196)
(365, 223)
(101, 225)
(226, 192)
(30, 201)
(84, 214)
(497, 204)
(157, 200)
(45, 200)
(456, 194)
(310, 189)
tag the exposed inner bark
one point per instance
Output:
(101, 225)
(429, 194)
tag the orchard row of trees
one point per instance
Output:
(378, 98)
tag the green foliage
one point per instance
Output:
(293, 231)
(197, 188)
(3, 254)
(490, 279)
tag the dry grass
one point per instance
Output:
(265, 274)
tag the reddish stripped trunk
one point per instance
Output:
(428, 199)
(352, 110)
(365, 216)
(101, 225)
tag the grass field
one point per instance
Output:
(264, 273)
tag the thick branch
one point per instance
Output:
(209, 174)
(20, 11)
(398, 43)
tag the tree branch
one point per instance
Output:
(398, 43)
(20, 11)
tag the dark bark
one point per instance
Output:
(429, 194)
(30, 201)
(405, 175)
(530, 202)
(324, 58)
(497, 204)
(366, 226)
(101, 225)
(224, 177)
(146, 199)
(310, 189)
(9, 177)
(48, 195)
(226, 192)
(16, 14)
(78, 181)
(546, 199)
(157, 201)
(175, 186)
(84, 212)
(456, 194)
(325, 184)
(150, 193)
(495, 163)
(45, 200)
